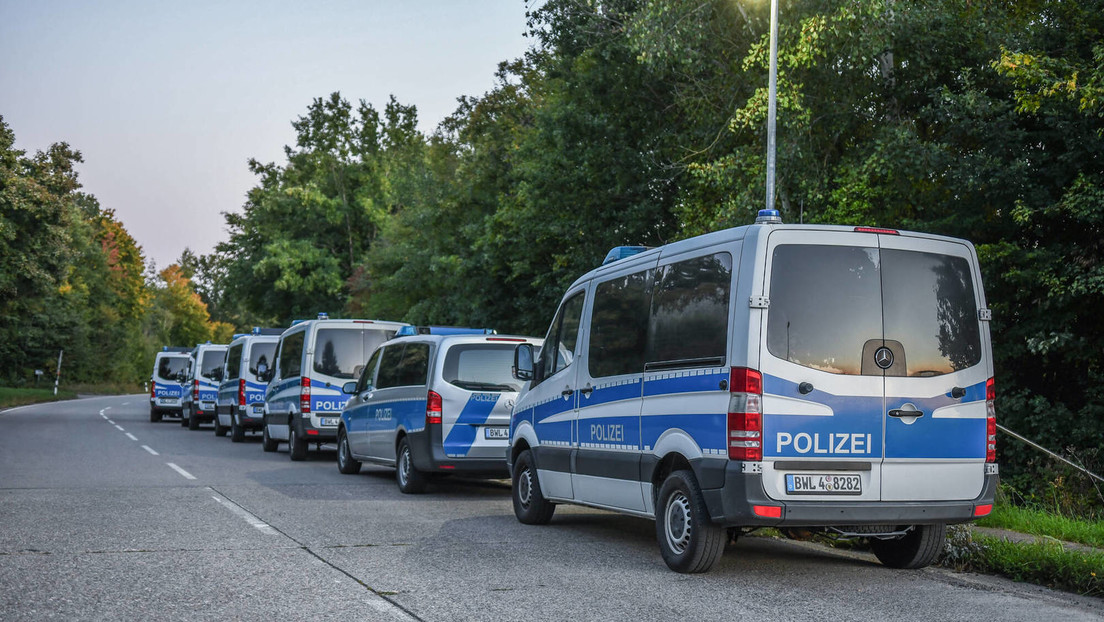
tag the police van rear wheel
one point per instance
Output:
(410, 479)
(345, 462)
(220, 430)
(237, 432)
(297, 446)
(916, 549)
(193, 420)
(155, 415)
(267, 442)
(688, 540)
(530, 506)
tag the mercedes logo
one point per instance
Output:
(883, 357)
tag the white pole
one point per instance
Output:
(772, 103)
(58, 377)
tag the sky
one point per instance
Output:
(168, 101)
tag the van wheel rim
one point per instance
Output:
(404, 465)
(341, 451)
(677, 525)
(525, 488)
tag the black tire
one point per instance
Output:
(193, 421)
(237, 432)
(916, 549)
(297, 446)
(267, 442)
(345, 461)
(220, 430)
(530, 506)
(155, 415)
(411, 481)
(183, 419)
(688, 540)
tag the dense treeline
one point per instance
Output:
(638, 122)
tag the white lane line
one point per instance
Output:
(131, 436)
(150, 449)
(126, 403)
(244, 514)
(119, 428)
(181, 471)
(107, 408)
(110, 421)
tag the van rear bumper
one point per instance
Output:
(732, 506)
(426, 447)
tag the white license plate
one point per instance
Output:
(328, 420)
(258, 410)
(818, 484)
(167, 401)
(496, 433)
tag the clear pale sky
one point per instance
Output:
(167, 101)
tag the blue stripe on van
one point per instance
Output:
(462, 435)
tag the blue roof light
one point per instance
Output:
(323, 316)
(407, 331)
(768, 217)
(621, 252)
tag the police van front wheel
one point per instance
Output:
(297, 445)
(345, 462)
(916, 549)
(530, 506)
(688, 540)
(267, 442)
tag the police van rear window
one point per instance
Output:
(261, 354)
(342, 352)
(172, 368)
(211, 366)
(480, 367)
(827, 302)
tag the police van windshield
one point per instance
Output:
(173, 368)
(828, 302)
(261, 354)
(481, 367)
(211, 365)
(342, 352)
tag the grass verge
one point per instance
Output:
(1040, 523)
(20, 397)
(1042, 563)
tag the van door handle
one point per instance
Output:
(896, 412)
(587, 390)
(567, 392)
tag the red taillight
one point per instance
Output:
(983, 510)
(433, 407)
(153, 389)
(195, 390)
(745, 415)
(767, 511)
(241, 391)
(304, 395)
(877, 230)
(990, 421)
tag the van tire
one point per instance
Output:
(267, 442)
(193, 421)
(345, 462)
(530, 506)
(688, 540)
(155, 415)
(916, 549)
(297, 445)
(183, 419)
(220, 430)
(411, 481)
(237, 432)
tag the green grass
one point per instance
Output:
(1039, 523)
(1045, 563)
(21, 397)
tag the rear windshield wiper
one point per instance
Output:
(481, 386)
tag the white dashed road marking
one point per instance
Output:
(149, 449)
(181, 471)
(131, 436)
(119, 428)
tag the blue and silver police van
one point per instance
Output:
(241, 393)
(433, 401)
(204, 375)
(170, 372)
(821, 378)
(314, 359)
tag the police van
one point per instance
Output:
(436, 402)
(314, 359)
(170, 372)
(204, 376)
(826, 378)
(241, 393)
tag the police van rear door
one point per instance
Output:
(935, 385)
(823, 408)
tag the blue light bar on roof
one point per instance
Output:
(621, 252)
(407, 331)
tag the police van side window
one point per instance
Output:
(233, 362)
(389, 367)
(291, 355)
(688, 325)
(559, 346)
(369, 372)
(619, 325)
(414, 365)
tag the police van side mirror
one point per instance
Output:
(349, 388)
(523, 362)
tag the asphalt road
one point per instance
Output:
(104, 515)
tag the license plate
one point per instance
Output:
(258, 410)
(496, 433)
(327, 420)
(817, 484)
(167, 400)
